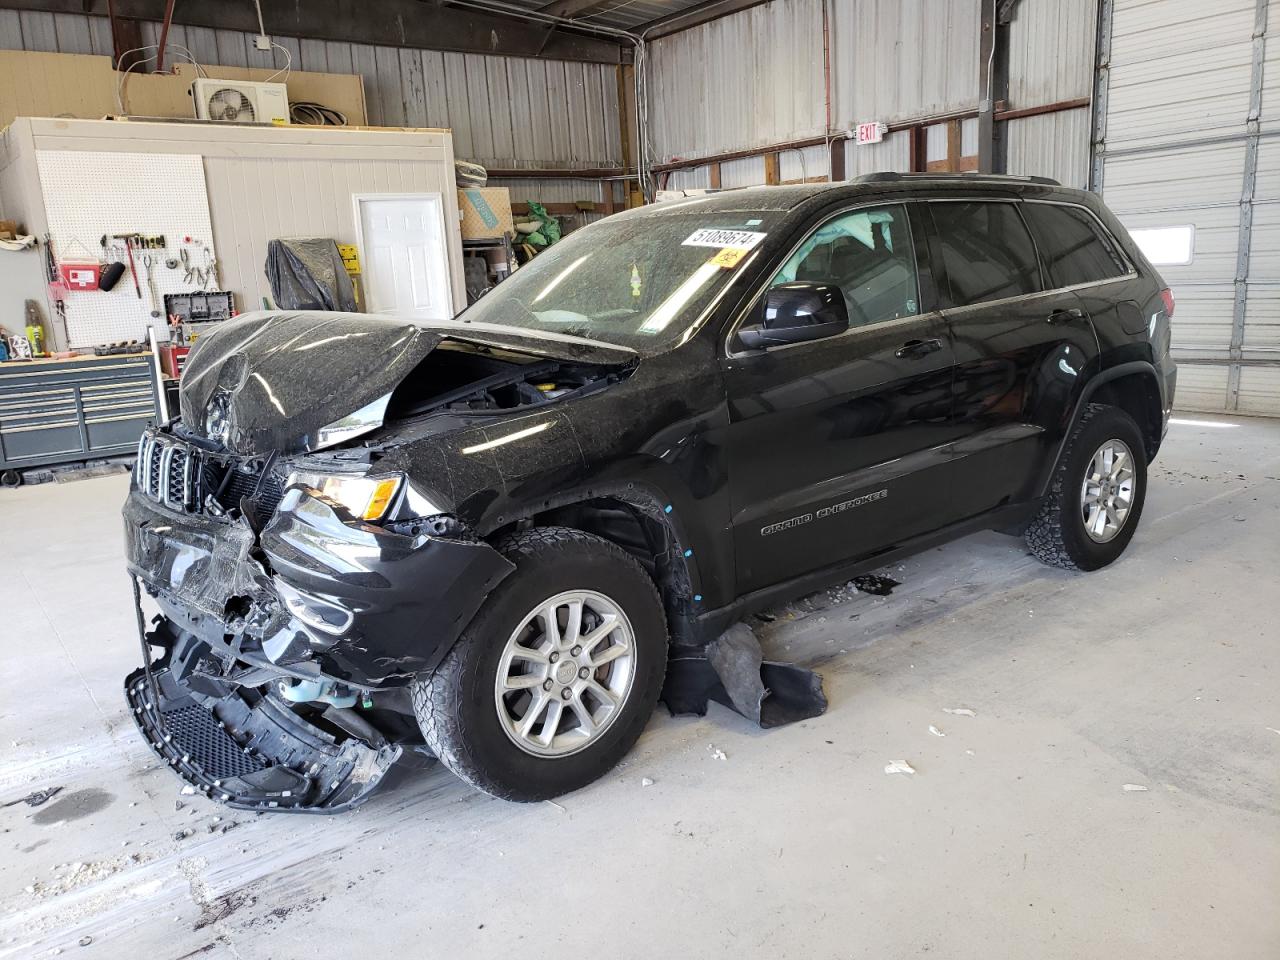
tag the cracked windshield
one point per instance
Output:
(637, 282)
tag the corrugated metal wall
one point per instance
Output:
(1051, 59)
(1179, 149)
(742, 81)
(503, 111)
(756, 78)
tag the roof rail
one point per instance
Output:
(886, 176)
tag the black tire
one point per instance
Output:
(1057, 535)
(10, 478)
(455, 705)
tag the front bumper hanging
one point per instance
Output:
(245, 748)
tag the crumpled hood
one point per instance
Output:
(269, 381)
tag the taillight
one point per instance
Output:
(1167, 296)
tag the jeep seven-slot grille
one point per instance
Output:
(181, 477)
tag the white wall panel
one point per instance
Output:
(1051, 145)
(1202, 387)
(1177, 144)
(1179, 68)
(1051, 51)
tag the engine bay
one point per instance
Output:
(465, 377)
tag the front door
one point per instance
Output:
(1021, 342)
(404, 258)
(833, 444)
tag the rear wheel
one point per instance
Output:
(1096, 496)
(556, 677)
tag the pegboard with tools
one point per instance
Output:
(148, 212)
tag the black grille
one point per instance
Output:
(197, 734)
(241, 485)
(177, 475)
(153, 472)
(177, 488)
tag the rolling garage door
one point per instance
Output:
(1187, 153)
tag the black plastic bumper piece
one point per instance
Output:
(253, 755)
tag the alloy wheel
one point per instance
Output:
(565, 673)
(1106, 496)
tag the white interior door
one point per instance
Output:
(404, 258)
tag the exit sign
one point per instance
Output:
(871, 132)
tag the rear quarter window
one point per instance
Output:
(1072, 245)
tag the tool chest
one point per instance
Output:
(63, 411)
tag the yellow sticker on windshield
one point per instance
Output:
(729, 257)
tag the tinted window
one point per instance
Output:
(868, 254)
(1073, 248)
(986, 251)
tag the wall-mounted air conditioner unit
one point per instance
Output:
(242, 101)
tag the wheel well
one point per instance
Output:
(1137, 395)
(638, 529)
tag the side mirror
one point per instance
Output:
(796, 312)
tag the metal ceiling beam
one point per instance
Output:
(570, 8)
(421, 24)
(693, 17)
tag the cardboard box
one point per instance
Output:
(485, 212)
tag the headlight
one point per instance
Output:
(365, 497)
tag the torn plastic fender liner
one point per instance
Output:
(410, 596)
(731, 670)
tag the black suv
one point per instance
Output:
(481, 538)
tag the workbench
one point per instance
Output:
(68, 411)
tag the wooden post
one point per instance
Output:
(713, 175)
(953, 146)
(772, 168)
(627, 126)
(837, 155)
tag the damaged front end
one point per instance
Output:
(298, 527)
(288, 627)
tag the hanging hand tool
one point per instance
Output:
(128, 239)
(148, 261)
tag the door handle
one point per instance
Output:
(1066, 316)
(917, 348)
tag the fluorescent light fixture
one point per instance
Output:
(561, 275)
(509, 438)
(661, 318)
(1200, 423)
(1166, 246)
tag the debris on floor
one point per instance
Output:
(935, 731)
(959, 711)
(875, 584)
(717, 753)
(35, 798)
(899, 766)
(1134, 788)
(646, 782)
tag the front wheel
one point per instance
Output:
(1096, 495)
(555, 678)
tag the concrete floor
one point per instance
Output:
(1016, 836)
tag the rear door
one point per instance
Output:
(833, 443)
(1021, 344)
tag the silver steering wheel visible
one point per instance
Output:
(1106, 496)
(565, 673)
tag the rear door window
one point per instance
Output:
(985, 250)
(1072, 244)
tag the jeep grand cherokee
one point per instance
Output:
(481, 538)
